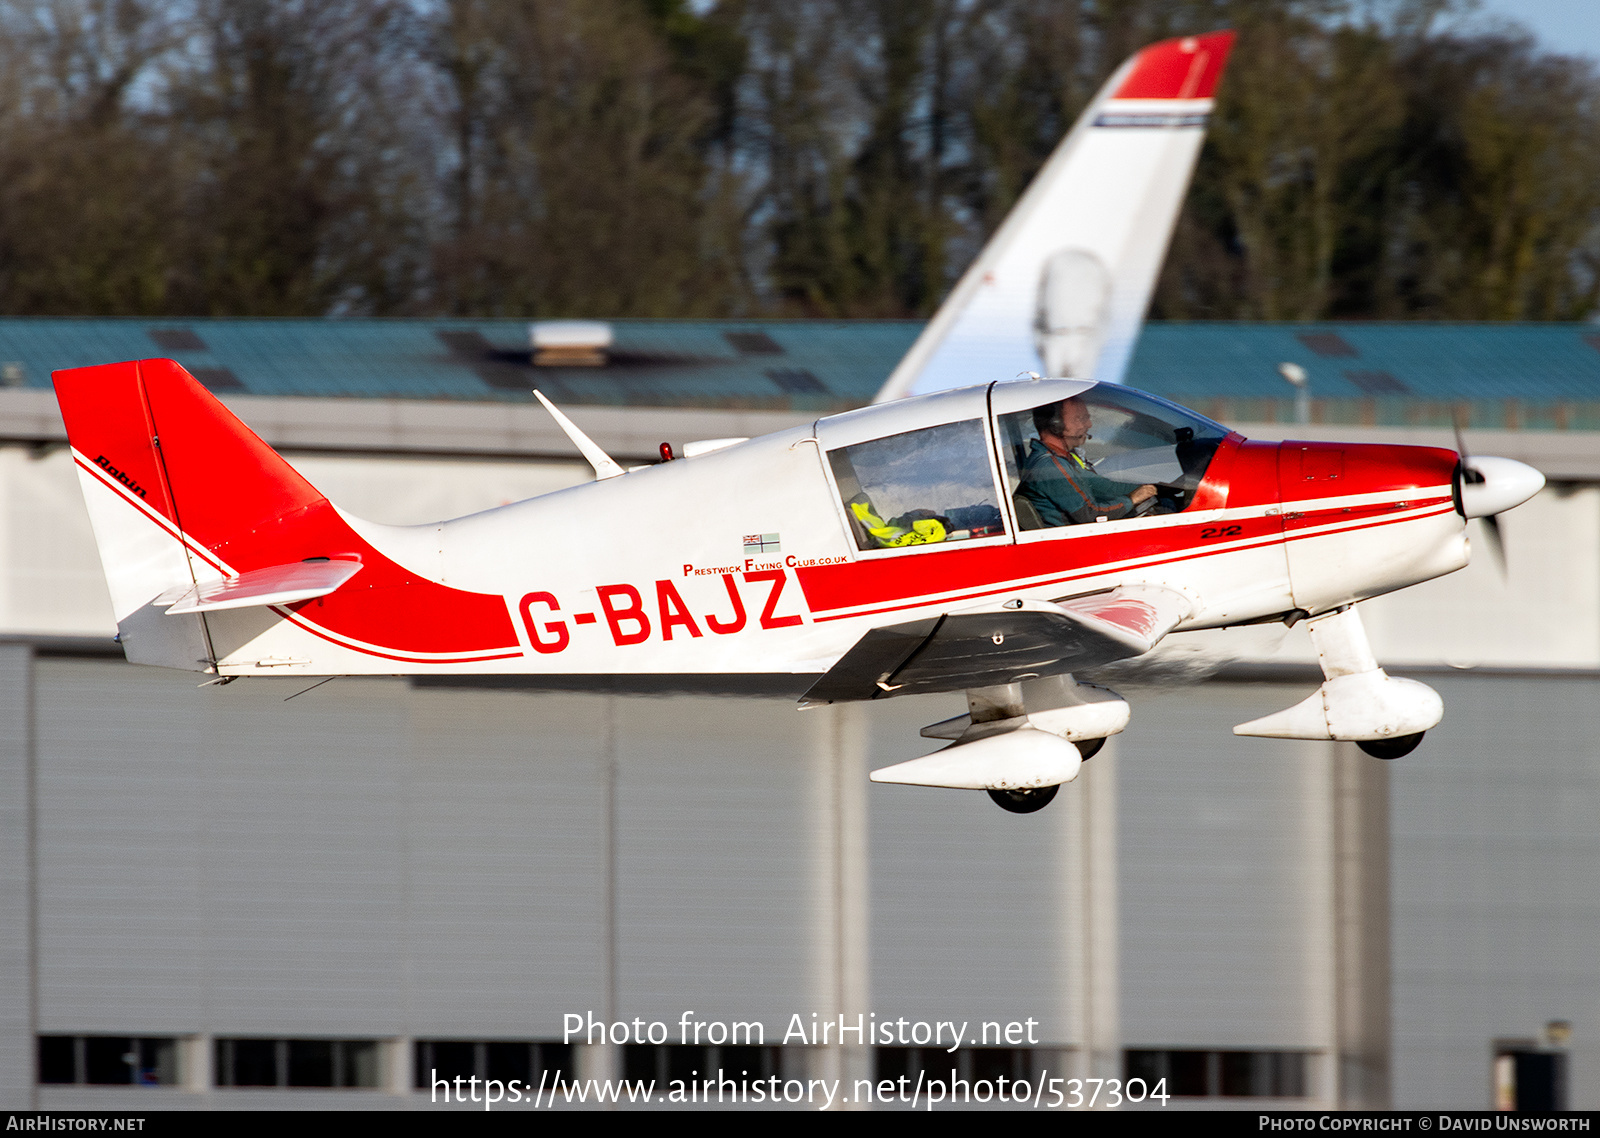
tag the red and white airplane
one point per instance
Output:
(992, 539)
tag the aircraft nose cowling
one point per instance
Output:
(1500, 484)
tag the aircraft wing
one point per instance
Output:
(1001, 643)
(1063, 285)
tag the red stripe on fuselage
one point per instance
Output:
(1243, 475)
(386, 605)
(896, 584)
(1295, 522)
(322, 634)
(1081, 551)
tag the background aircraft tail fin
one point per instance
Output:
(1063, 285)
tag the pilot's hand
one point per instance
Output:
(1142, 494)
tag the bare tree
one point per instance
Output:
(581, 177)
(811, 157)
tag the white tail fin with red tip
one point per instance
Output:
(1063, 285)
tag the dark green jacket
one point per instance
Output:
(1066, 490)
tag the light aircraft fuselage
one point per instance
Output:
(742, 569)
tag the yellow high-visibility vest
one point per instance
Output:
(922, 532)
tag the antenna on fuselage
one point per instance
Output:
(604, 465)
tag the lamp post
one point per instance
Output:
(1297, 376)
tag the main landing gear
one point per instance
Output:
(1024, 801)
(1018, 741)
(1391, 748)
(1027, 801)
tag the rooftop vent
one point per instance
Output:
(176, 340)
(1327, 343)
(570, 343)
(796, 381)
(1377, 382)
(753, 343)
(217, 379)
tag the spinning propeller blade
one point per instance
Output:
(1497, 542)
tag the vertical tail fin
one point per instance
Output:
(1063, 284)
(179, 491)
(150, 431)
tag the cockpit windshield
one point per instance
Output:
(1100, 453)
(1070, 451)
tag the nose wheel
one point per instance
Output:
(1024, 801)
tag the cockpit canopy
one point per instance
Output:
(977, 463)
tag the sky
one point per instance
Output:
(1568, 26)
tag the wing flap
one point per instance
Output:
(274, 585)
(1001, 644)
(1135, 615)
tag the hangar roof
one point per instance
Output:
(1516, 376)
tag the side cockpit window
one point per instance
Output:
(925, 487)
(1102, 455)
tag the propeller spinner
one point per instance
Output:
(1486, 487)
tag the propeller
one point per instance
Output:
(1471, 476)
(1487, 487)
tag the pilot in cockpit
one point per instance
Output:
(1061, 484)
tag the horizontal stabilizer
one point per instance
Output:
(274, 585)
(1002, 644)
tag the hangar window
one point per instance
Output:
(937, 1063)
(296, 1063)
(926, 487)
(108, 1060)
(1226, 1074)
(670, 1062)
(1105, 454)
(503, 1059)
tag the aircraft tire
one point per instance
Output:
(1391, 748)
(1024, 801)
(1089, 748)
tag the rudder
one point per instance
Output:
(179, 491)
